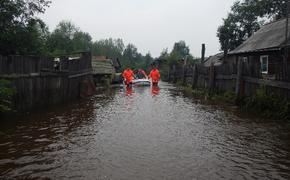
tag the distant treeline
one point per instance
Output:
(25, 34)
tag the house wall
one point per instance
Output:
(275, 61)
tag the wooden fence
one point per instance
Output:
(242, 78)
(42, 81)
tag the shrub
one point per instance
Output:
(267, 105)
(6, 94)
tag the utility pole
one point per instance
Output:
(202, 53)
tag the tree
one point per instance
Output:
(148, 59)
(245, 18)
(164, 54)
(18, 22)
(82, 41)
(67, 38)
(112, 48)
(130, 56)
(180, 51)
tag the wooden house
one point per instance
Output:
(265, 49)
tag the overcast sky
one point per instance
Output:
(151, 25)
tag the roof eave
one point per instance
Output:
(255, 51)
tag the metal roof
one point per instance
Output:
(270, 37)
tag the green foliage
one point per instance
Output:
(180, 51)
(131, 56)
(21, 31)
(67, 38)
(128, 56)
(6, 93)
(226, 97)
(112, 48)
(245, 18)
(267, 105)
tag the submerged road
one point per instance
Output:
(142, 134)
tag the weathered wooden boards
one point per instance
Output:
(242, 78)
(103, 67)
(42, 81)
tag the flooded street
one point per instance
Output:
(142, 134)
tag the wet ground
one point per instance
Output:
(142, 133)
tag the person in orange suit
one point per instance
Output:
(128, 76)
(155, 76)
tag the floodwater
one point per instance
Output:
(142, 133)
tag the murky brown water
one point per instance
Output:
(143, 134)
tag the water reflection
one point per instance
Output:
(127, 134)
(129, 91)
(155, 90)
(34, 144)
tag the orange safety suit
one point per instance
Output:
(154, 75)
(128, 76)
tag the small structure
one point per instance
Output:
(265, 50)
(102, 66)
(216, 60)
(104, 69)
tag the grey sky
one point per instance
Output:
(151, 25)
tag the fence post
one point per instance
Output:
(184, 71)
(174, 74)
(239, 79)
(168, 75)
(211, 77)
(194, 77)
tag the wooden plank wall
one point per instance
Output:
(244, 78)
(39, 82)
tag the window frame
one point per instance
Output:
(261, 61)
(245, 59)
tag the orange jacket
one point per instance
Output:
(128, 75)
(154, 75)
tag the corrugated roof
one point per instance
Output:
(270, 37)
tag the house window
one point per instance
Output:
(264, 64)
(245, 59)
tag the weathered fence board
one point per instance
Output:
(42, 81)
(244, 78)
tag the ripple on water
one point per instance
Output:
(143, 135)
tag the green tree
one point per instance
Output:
(148, 59)
(130, 56)
(180, 51)
(112, 48)
(164, 54)
(67, 38)
(21, 30)
(82, 41)
(245, 18)
(61, 39)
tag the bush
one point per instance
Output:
(6, 94)
(267, 105)
(226, 97)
